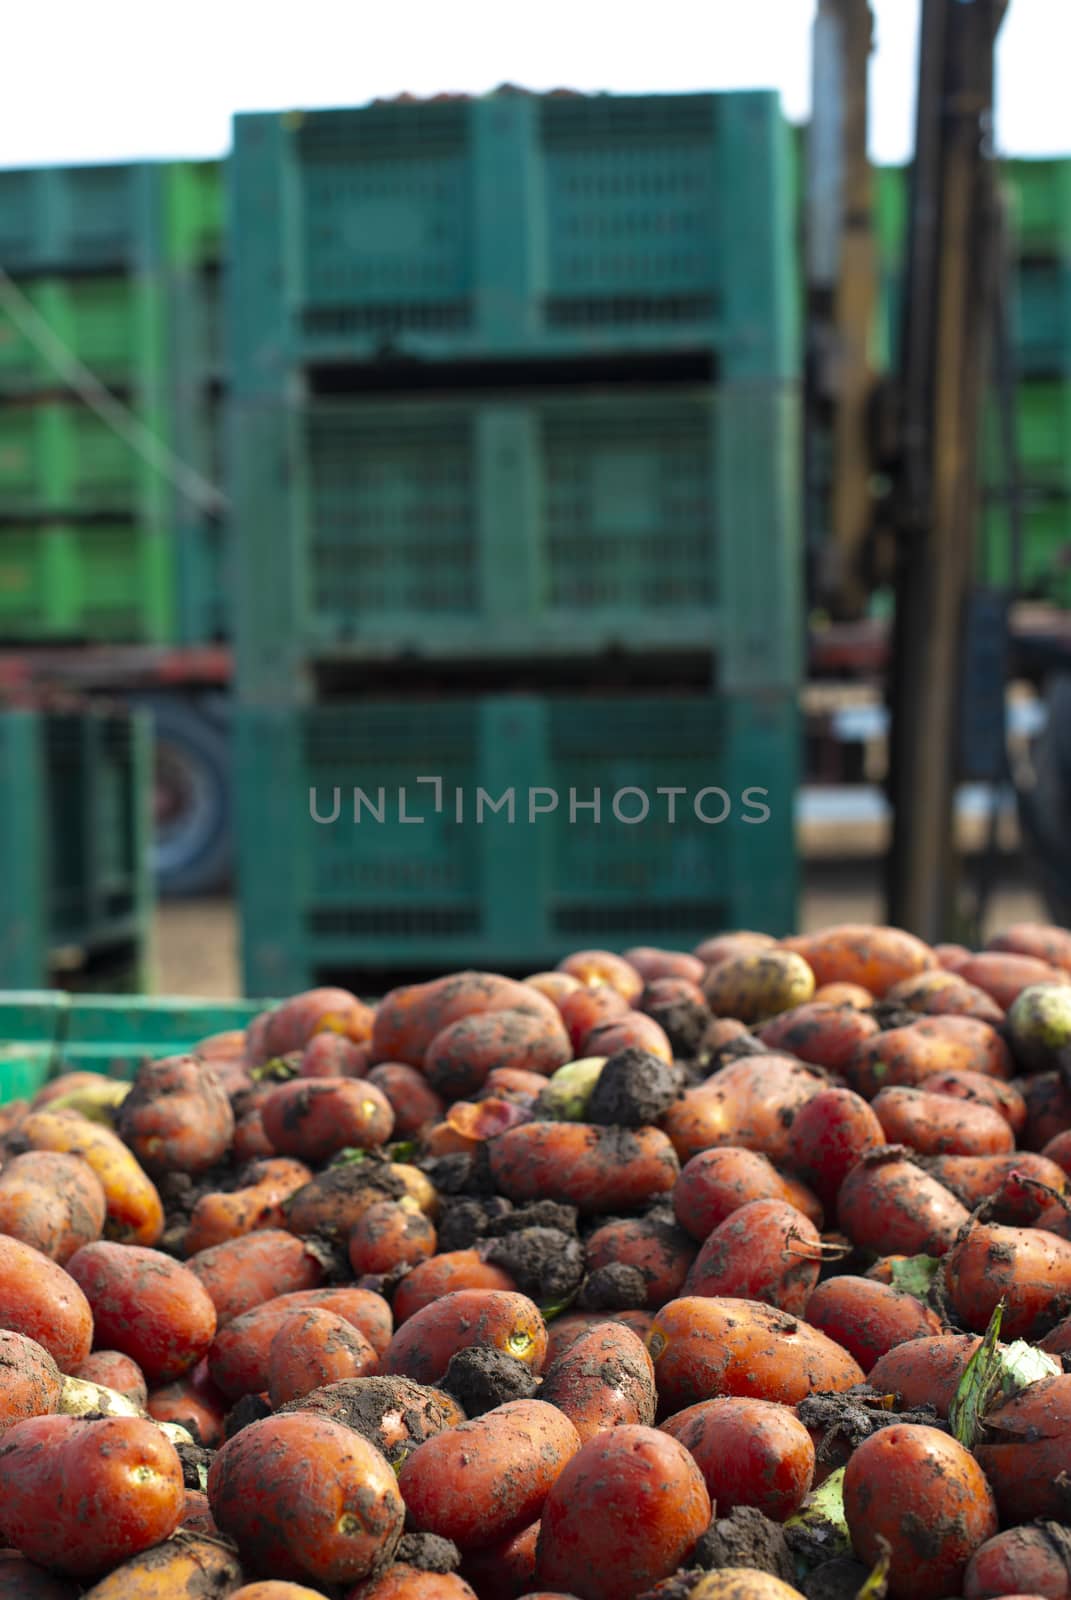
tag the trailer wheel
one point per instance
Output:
(1045, 809)
(192, 845)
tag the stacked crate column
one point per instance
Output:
(273, 852)
(514, 849)
(270, 532)
(509, 243)
(510, 486)
(759, 543)
(763, 762)
(260, 221)
(759, 310)
(25, 847)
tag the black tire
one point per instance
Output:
(192, 849)
(1045, 809)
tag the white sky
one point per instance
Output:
(123, 79)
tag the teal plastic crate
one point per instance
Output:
(559, 523)
(416, 871)
(75, 885)
(513, 225)
(1040, 204)
(46, 1032)
(114, 1034)
(1045, 572)
(79, 219)
(1042, 313)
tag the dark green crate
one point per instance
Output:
(76, 219)
(1040, 205)
(1042, 313)
(567, 524)
(90, 581)
(409, 885)
(513, 225)
(75, 890)
(1045, 572)
(61, 458)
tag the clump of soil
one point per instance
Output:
(378, 1408)
(465, 1219)
(633, 1089)
(616, 1287)
(481, 1377)
(428, 1552)
(250, 1408)
(746, 1538)
(545, 1264)
(839, 1579)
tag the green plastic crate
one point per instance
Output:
(1046, 546)
(408, 885)
(563, 523)
(105, 322)
(513, 225)
(91, 581)
(77, 219)
(194, 213)
(1042, 437)
(1040, 196)
(75, 886)
(60, 458)
(890, 198)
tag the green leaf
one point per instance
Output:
(994, 1375)
(822, 1515)
(277, 1070)
(915, 1275)
(404, 1150)
(877, 1584)
(348, 1157)
(1022, 1364)
(548, 1313)
(202, 1477)
(979, 1384)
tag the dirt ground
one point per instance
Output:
(196, 941)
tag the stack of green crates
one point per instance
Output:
(75, 812)
(1038, 194)
(514, 412)
(89, 525)
(194, 254)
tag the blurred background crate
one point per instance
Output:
(75, 891)
(567, 523)
(514, 225)
(327, 897)
(78, 219)
(68, 582)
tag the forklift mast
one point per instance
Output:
(950, 275)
